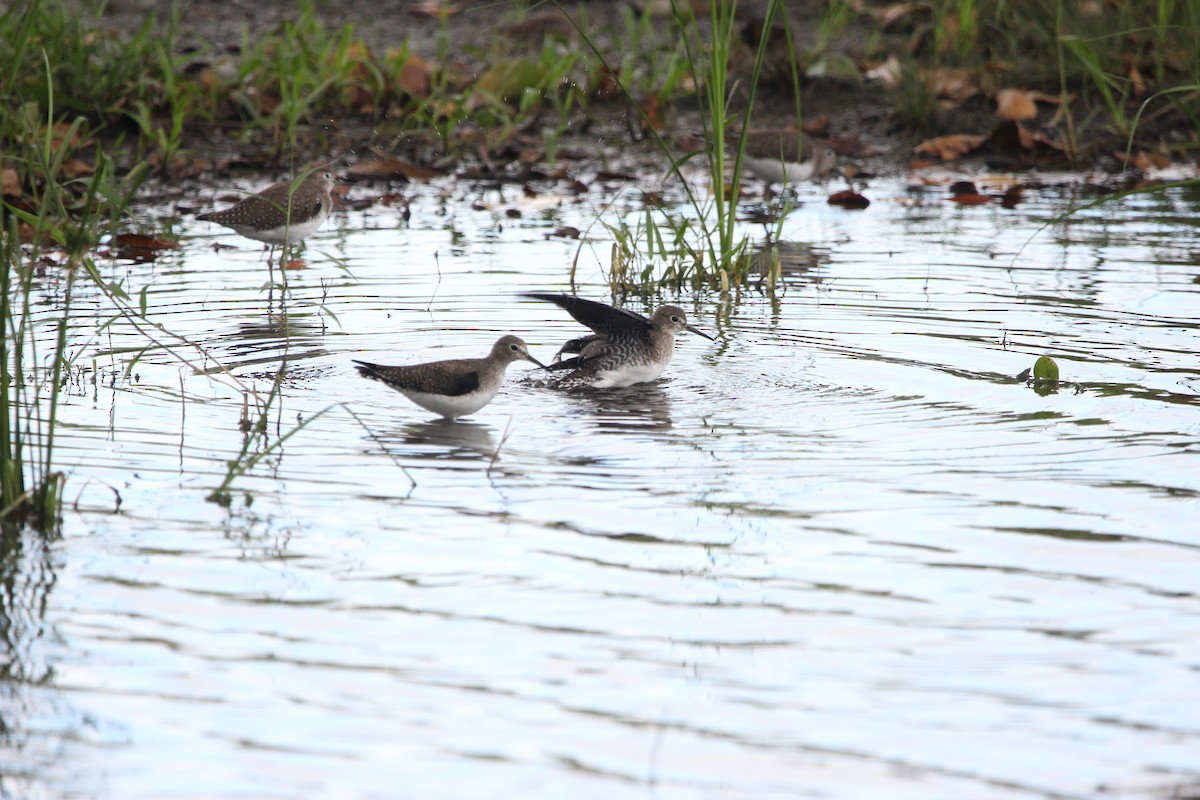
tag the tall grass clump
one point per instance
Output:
(708, 250)
(45, 239)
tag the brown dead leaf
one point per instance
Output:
(58, 137)
(897, 12)
(1050, 99)
(666, 8)
(295, 264)
(605, 87)
(387, 168)
(1032, 140)
(948, 148)
(889, 73)
(1135, 75)
(141, 248)
(1015, 104)
(435, 8)
(208, 78)
(852, 201)
(956, 84)
(970, 199)
(143, 242)
(817, 126)
(652, 111)
(74, 168)
(10, 182)
(1143, 160)
(416, 77)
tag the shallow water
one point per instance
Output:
(839, 552)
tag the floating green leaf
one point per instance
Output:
(1044, 369)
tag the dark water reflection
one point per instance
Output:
(841, 551)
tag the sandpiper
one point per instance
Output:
(283, 213)
(778, 155)
(625, 348)
(456, 387)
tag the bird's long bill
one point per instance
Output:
(698, 332)
(534, 360)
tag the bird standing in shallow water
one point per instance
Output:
(778, 155)
(456, 387)
(625, 347)
(283, 213)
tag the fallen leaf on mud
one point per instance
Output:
(888, 73)
(1027, 140)
(848, 200)
(74, 168)
(1143, 160)
(390, 169)
(183, 166)
(138, 247)
(956, 84)
(1135, 75)
(143, 242)
(652, 111)
(434, 8)
(1051, 99)
(58, 137)
(416, 77)
(896, 12)
(817, 126)
(294, 264)
(25, 232)
(667, 8)
(970, 199)
(948, 148)
(605, 87)
(1015, 104)
(10, 182)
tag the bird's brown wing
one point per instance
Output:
(441, 377)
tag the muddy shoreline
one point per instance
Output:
(857, 115)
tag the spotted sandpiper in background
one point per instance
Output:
(283, 213)
(625, 348)
(456, 387)
(780, 155)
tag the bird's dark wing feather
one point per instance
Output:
(424, 377)
(567, 363)
(603, 319)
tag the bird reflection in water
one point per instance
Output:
(440, 440)
(644, 407)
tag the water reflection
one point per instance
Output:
(27, 577)
(298, 335)
(630, 408)
(438, 440)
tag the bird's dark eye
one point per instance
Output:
(514, 348)
(675, 318)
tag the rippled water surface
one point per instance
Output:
(839, 552)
